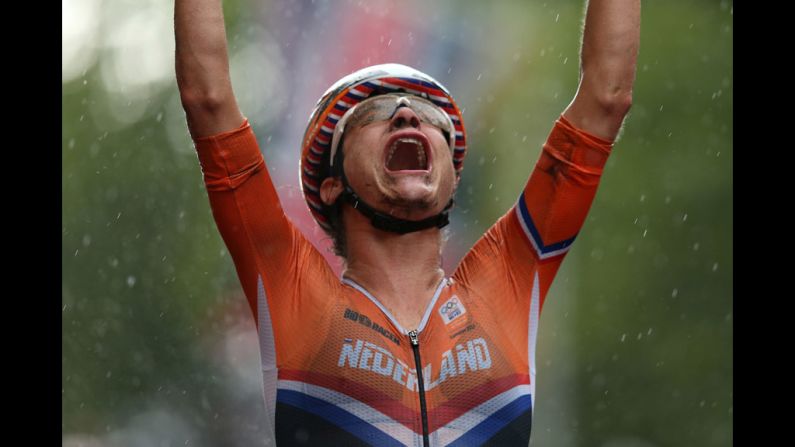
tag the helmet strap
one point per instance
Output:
(386, 222)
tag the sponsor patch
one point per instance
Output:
(451, 309)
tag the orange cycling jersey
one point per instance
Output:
(338, 369)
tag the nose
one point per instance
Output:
(403, 117)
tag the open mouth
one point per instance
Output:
(407, 153)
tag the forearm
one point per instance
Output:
(610, 49)
(202, 67)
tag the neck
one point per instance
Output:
(401, 271)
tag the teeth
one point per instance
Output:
(421, 159)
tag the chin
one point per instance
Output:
(414, 204)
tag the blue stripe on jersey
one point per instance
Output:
(337, 416)
(536, 235)
(494, 423)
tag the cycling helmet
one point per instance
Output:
(332, 106)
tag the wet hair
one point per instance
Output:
(336, 230)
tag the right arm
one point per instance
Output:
(202, 67)
(266, 248)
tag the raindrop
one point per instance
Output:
(480, 75)
(684, 218)
(644, 233)
(642, 197)
(715, 267)
(557, 17)
(130, 281)
(623, 337)
(159, 117)
(674, 293)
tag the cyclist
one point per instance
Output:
(396, 351)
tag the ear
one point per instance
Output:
(330, 189)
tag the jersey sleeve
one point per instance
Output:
(521, 253)
(265, 246)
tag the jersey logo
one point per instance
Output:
(451, 309)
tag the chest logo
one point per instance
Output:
(452, 309)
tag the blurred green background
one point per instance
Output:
(635, 342)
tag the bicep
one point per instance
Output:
(534, 236)
(247, 210)
(209, 115)
(598, 114)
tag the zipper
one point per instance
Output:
(415, 345)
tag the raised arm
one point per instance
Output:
(607, 67)
(530, 241)
(267, 249)
(202, 67)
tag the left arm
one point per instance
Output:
(529, 242)
(607, 67)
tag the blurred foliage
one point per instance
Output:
(635, 346)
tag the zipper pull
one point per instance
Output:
(413, 337)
